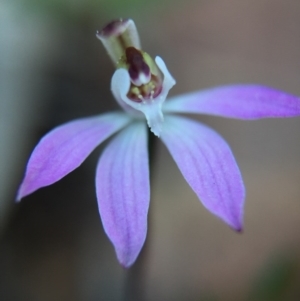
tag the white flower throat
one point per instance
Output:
(140, 84)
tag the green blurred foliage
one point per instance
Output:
(74, 10)
(276, 280)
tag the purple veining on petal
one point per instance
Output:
(238, 101)
(123, 192)
(209, 167)
(66, 147)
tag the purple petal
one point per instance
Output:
(122, 185)
(209, 167)
(239, 101)
(65, 148)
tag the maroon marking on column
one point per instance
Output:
(136, 63)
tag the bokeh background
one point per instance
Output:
(53, 69)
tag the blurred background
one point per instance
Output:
(53, 69)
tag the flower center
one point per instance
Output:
(146, 78)
(140, 84)
(121, 40)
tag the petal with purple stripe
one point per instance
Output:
(123, 193)
(238, 101)
(65, 148)
(209, 167)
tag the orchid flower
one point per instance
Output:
(140, 85)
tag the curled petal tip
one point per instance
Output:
(126, 264)
(27, 187)
(240, 230)
(233, 218)
(237, 227)
(154, 118)
(18, 199)
(156, 133)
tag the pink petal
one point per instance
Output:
(65, 148)
(122, 185)
(209, 167)
(239, 101)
